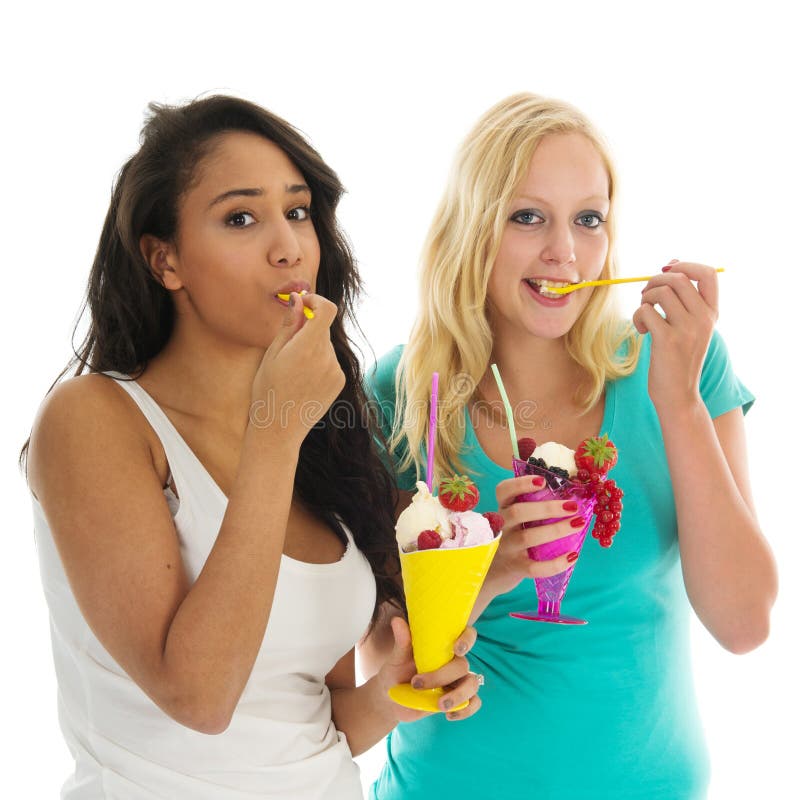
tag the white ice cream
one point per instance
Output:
(557, 455)
(425, 513)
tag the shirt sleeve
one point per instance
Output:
(379, 386)
(720, 389)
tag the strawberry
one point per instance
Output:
(597, 453)
(458, 493)
(495, 521)
(429, 540)
(526, 447)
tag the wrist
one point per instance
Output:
(378, 699)
(679, 407)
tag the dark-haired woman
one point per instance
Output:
(212, 546)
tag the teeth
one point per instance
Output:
(543, 284)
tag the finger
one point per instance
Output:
(666, 297)
(465, 642)
(511, 488)
(460, 692)
(472, 708)
(292, 321)
(324, 311)
(555, 566)
(651, 321)
(453, 671)
(683, 288)
(538, 511)
(401, 651)
(707, 281)
(542, 534)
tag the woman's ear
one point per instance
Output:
(160, 257)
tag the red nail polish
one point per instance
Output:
(577, 522)
(570, 505)
(666, 269)
(538, 481)
(572, 557)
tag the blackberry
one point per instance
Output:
(561, 472)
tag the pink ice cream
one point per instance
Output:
(469, 529)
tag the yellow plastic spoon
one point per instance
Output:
(306, 310)
(607, 282)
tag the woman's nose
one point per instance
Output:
(559, 247)
(284, 248)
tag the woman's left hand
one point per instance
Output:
(680, 338)
(455, 677)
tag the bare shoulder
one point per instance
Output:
(80, 418)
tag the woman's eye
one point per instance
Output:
(527, 218)
(240, 219)
(300, 213)
(590, 220)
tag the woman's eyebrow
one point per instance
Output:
(294, 188)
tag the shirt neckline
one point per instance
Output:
(473, 445)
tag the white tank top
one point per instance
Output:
(281, 742)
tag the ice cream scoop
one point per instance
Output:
(425, 513)
(557, 455)
(469, 529)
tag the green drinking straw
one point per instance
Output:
(509, 413)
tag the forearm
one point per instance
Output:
(363, 714)
(727, 565)
(216, 632)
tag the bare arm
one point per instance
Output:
(189, 647)
(365, 714)
(728, 568)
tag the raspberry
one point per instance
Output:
(429, 540)
(495, 520)
(526, 447)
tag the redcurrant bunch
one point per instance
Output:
(608, 510)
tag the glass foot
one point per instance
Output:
(535, 616)
(404, 694)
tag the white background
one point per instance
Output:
(698, 100)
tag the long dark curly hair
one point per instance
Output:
(339, 475)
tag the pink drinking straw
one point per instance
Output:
(432, 428)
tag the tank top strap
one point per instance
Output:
(182, 464)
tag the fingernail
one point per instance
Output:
(538, 481)
(416, 683)
(452, 715)
(570, 505)
(673, 261)
(577, 522)
(666, 269)
(292, 301)
(447, 704)
(572, 557)
(461, 648)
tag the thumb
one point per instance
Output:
(401, 652)
(291, 323)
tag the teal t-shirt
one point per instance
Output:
(605, 710)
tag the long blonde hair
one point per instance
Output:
(452, 335)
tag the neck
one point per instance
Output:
(205, 376)
(532, 368)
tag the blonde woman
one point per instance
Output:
(607, 710)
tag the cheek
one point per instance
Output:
(593, 253)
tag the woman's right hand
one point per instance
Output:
(511, 563)
(299, 376)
